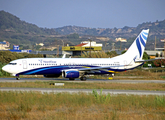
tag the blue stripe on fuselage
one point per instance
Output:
(58, 69)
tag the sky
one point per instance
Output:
(86, 13)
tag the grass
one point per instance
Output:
(148, 74)
(163, 77)
(34, 105)
(137, 74)
(87, 85)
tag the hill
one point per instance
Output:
(9, 22)
(15, 31)
(130, 33)
(156, 29)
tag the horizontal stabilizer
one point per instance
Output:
(149, 60)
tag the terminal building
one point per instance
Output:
(85, 46)
(4, 45)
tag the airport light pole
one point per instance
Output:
(163, 40)
(153, 46)
(155, 43)
(62, 42)
(113, 46)
(57, 50)
(90, 47)
(121, 44)
(81, 51)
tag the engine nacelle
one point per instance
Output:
(52, 75)
(71, 74)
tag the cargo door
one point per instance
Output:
(125, 64)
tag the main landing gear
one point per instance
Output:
(17, 77)
(83, 78)
(71, 79)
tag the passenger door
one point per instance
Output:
(24, 64)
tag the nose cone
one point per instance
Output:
(5, 68)
(10, 69)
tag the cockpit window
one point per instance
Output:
(12, 63)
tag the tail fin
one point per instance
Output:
(138, 46)
(136, 50)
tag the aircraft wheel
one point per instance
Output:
(71, 78)
(83, 78)
(17, 78)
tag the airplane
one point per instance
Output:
(73, 68)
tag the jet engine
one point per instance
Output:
(71, 73)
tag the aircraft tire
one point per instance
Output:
(71, 78)
(83, 78)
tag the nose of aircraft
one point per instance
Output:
(4, 68)
(9, 69)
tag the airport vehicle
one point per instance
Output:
(80, 67)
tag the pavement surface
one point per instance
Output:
(60, 90)
(77, 80)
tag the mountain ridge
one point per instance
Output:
(156, 29)
(15, 31)
(9, 22)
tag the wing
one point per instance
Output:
(98, 69)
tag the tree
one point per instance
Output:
(159, 63)
(7, 56)
(73, 36)
(146, 56)
(111, 54)
(123, 52)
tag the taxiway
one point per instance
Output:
(59, 90)
(77, 80)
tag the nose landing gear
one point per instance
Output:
(17, 77)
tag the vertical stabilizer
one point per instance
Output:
(136, 50)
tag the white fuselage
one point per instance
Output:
(23, 65)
